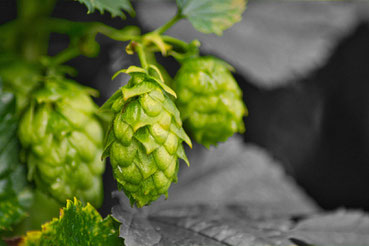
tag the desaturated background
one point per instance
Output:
(303, 67)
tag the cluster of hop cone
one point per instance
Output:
(64, 144)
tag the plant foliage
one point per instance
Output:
(77, 225)
(14, 195)
(114, 7)
(212, 16)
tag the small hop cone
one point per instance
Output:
(209, 100)
(146, 135)
(63, 139)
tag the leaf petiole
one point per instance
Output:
(182, 45)
(169, 24)
(125, 34)
(65, 55)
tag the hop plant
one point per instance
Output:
(209, 100)
(145, 139)
(62, 141)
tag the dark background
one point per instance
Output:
(317, 125)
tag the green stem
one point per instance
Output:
(169, 24)
(141, 55)
(65, 55)
(31, 9)
(73, 28)
(175, 42)
(115, 34)
(33, 38)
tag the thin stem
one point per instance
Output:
(176, 42)
(34, 39)
(31, 9)
(115, 34)
(141, 55)
(169, 24)
(71, 28)
(65, 55)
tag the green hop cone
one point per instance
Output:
(146, 135)
(62, 141)
(209, 100)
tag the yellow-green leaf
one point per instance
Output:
(76, 225)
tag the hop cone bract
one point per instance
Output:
(145, 139)
(62, 141)
(209, 100)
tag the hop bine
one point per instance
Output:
(62, 141)
(146, 135)
(209, 100)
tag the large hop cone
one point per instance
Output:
(209, 100)
(145, 139)
(62, 141)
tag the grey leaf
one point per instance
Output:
(228, 225)
(237, 173)
(337, 228)
(135, 228)
(276, 41)
(234, 194)
(204, 225)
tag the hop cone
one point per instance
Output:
(62, 141)
(145, 139)
(209, 100)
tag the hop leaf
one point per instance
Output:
(14, 195)
(145, 139)
(62, 139)
(112, 6)
(209, 100)
(76, 225)
(212, 16)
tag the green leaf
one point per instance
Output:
(13, 195)
(76, 225)
(212, 16)
(112, 6)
